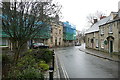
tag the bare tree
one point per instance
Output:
(99, 14)
(96, 15)
(22, 21)
(90, 18)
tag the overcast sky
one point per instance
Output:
(76, 11)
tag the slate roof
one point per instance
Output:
(95, 27)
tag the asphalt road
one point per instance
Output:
(78, 64)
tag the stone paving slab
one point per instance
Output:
(99, 54)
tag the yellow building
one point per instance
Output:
(56, 39)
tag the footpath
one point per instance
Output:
(99, 54)
(57, 70)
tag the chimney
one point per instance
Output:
(57, 18)
(102, 17)
(95, 20)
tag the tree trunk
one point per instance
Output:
(15, 50)
(18, 47)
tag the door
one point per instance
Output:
(56, 41)
(111, 47)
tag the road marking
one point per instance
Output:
(63, 69)
(56, 62)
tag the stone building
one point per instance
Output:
(78, 37)
(56, 39)
(92, 34)
(109, 34)
(104, 35)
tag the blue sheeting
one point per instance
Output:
(69, 28)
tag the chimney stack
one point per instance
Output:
(95, 20)
(102, 17)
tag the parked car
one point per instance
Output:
(77, 44)
(39, 45)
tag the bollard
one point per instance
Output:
(53, 60)
(51, 73)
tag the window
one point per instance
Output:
(88, 40)
(92, 40)
(110, 29)
(93, 34)
(60, 40)
(96, 43)
(102, 43)
(51, 39)
(60, 31)
(59, 43)
(51, 30)
(56, 31)
(102, 31)
(4, 42)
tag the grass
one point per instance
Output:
(3, 45)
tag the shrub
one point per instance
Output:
(40, 54)
(43, 66)
(26, 68)
(30, 64)
(26, 74)
(43, 54)
(6, 59)
(26, 61)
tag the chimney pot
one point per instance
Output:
(95, 20)
(102, 17)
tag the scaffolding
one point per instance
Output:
(69, 31)
(44, 33)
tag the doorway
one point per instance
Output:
(56, 41)
(110, 46)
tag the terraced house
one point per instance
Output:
(109, 34)
(104, 35)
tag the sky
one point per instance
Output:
(76, 11)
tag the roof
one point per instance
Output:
(95, 27)
(117, 18)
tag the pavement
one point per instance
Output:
(99, 54)
(56, 74)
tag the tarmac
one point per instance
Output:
(58, 71)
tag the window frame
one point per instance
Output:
(110, 28)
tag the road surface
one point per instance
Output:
(78, 64)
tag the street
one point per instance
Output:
(78, 64)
